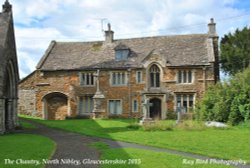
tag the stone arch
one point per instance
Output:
(55, 106)
(155, 108)
(154, 75)
(10, 96)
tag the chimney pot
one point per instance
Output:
(212, 28)
(109, 34)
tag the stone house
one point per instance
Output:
(8, 71)
(113, 78)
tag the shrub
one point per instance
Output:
(244, 125)
(171, 115)
(135, 126)
(191, 125)
(228, 101)
(157, 126)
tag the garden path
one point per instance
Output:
(76, 147)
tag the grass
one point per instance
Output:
(244, 125)
(139, 158)
(232, 144)
(25, 147)
(27, 125)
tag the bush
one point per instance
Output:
(191, 125)
(135, 126)
(244, 125)
(171, 115)
(228, 101)
(157, 126)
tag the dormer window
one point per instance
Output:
(121, 55)
(121, 52)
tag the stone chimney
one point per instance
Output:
(212, 28)
(109, 35)
(7, 7)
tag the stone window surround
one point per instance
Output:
(135, 109)
(184, 93)
(186, 70)
(139, 78)
(156, 72)
(108, 106)
(117, 74)
(81, 110)
(87, 74)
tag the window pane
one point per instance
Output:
(152, 79)
(179, 76)
(190, 77)
(184, 76)
(119, 78)
(118, 106)
(191, 101)
(80, 105)
(157, 78)
(83, 79)
(111, 107)
(92, 79)
(139, 77)
(113, 79)
(135, 105)
(123, 78)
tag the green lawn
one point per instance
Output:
(138, 158)
(230, 143)
(21, 147)
(28, 125)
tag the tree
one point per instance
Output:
(235, 51)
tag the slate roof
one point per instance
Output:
(4, 25)
(178, 50)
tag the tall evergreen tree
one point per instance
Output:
(235, 51)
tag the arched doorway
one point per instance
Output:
(55, 106)
(155, 109)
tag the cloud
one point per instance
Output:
(38, 22)
(31, 44)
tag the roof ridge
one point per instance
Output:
(136, 38)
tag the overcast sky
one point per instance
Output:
(38, 22)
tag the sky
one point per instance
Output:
(38, 22)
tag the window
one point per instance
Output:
(154, 76)
(184, 76)
(115, 107)
(121, 54)
(135, 106)
(184, 103)
(139, 77)
(118, 78)
(86, 104)
(87, 79)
